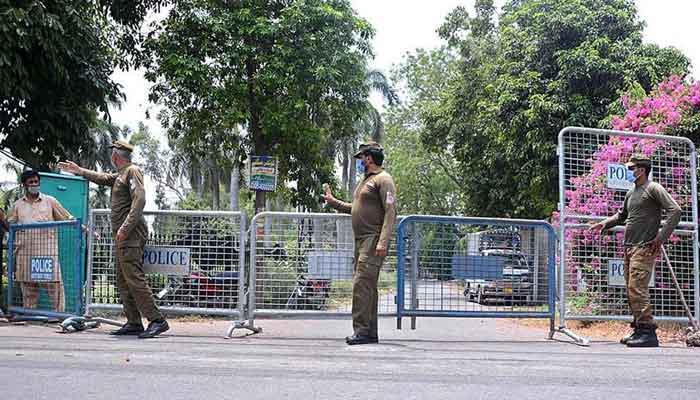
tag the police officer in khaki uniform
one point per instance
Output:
(641, 213)
(373, 211)
(130, 232)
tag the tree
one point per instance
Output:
(288, 72)
(98, 156)
(428, 182)
(369, 124)
(56, 59)
(158, 164)
(548, 64)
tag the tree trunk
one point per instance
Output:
(345, 163)
(235, 188)
(353, 170)
(256, 133)
(201, 181)
(226, 182)
(215, 191)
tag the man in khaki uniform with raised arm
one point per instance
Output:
(130, 232)
(641, 213)
(373, 211)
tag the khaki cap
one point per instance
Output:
(122, 145)
(366, 146)
(638, 159)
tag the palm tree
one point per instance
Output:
(12, 193)
(98, 154)
(370, 122)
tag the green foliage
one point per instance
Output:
(428, 182)
(289, 72)
(55, 66)
(548, 64)
(193, 202)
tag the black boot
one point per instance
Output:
(154, 329)
(632, 335)
(647, 338)
(128, 329)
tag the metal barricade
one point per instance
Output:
(302, 265)
(194, 260)
(44, 268)
(475, 267)
(592, 187)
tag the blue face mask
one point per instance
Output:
(630, 176)
(360, 166)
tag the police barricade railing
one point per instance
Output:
(45, 269)
(475, 267)
(594, 287)
(301, 265)
(592, 186)
(194, 262)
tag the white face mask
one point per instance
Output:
(33, 189)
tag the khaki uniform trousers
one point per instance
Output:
(638, 267)
(135, 294)
(364, 286)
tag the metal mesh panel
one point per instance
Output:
(44, 266)
(595, 283)
(592, 187)
(211, 241)
(303, 264)
(473, 267)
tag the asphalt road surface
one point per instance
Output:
(308, 359)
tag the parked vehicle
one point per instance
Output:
(201, 289)
(309, 294)
(497, 275)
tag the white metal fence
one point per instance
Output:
(194, 262)
(592, 187)
(301, 264)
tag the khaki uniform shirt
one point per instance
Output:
(373, 207)
(641, 211)
(128, 201)
(31, 243)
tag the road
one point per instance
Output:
(293, 359)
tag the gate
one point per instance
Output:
(591, 188)
(194, 262)
(301, 265)
(44, 268)
(475, 267)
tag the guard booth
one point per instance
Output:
(72, 192)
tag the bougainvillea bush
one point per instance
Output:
(661, 112)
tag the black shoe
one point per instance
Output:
(372, 339)
(632, 335)
(647, 338)
(155, 328)
(360, 339)
(128, 329)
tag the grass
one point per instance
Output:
(341, 290)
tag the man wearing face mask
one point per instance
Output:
(32, 208)
(130, 232)
(641, 213)
(373, 211)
